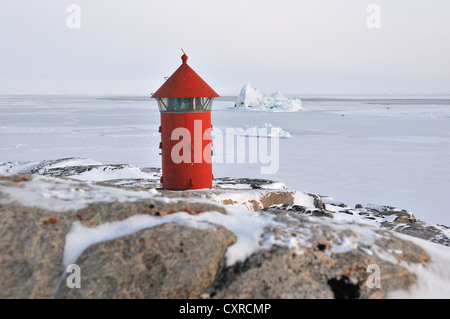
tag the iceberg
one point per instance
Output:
(276, 102)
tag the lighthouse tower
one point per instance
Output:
(185, 101)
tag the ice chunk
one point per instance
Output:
(266, 131)
(275, 102)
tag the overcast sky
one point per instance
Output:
(294, 46)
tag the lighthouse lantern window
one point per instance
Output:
(162, 104)
(185, 104)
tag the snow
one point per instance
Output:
(303, 199)
(245, 199)
(274, 186)
(103, 173)
(433, 278)
(235, 186)
(276, 102)
(268, 130)
(72, 162)
(346, 244)
(84, 169)
(61, 195)
(42, 166)
(81, 237)
(247, 226)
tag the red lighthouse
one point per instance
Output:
(185, 101)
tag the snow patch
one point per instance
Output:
(303, 199)
(274, 186)
(235, 197)
(41, 166)
(433, 278)
(247, 226)
(103, 173)
(61, 195)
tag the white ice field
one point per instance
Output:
(357, 149)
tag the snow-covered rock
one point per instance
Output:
(243, 238)
(276, 102)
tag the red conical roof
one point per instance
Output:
(184, 82)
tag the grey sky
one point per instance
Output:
(294, 46)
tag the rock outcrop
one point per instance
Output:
(167, 261)
(309, 246)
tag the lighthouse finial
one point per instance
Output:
(184, 57)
